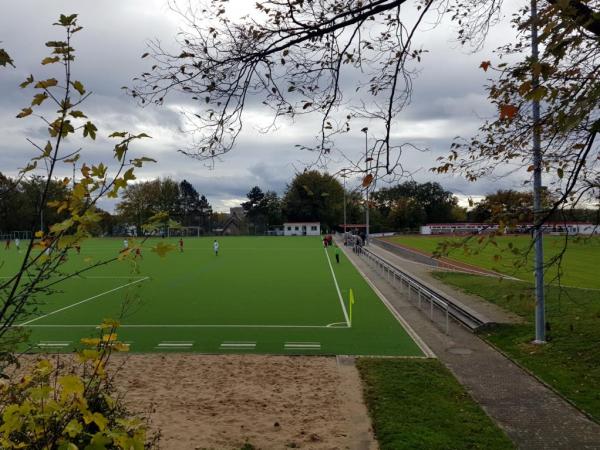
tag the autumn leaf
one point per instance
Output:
(485, 65)
(45, 84)
(508, 112)
(89, 129)
(27, 82)
(39, 98)
(161, 249)
(78, 114)
(5, 58)
(71, 385)
(78, 87)
(50, 60)
(24, 113)
(367, 180)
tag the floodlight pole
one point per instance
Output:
(344, 175)
(365, 130)
(540, 313)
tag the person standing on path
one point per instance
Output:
(216, 247)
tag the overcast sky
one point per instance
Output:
(448, 100)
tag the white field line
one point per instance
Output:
(54, 344)
(174, 345)
(334, 325)
(409, 330)
(337, 288)
(302, 345)
(238, 345)
(184, 326)
(81, 302)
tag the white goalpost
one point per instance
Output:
(12, 235)
(184, 231)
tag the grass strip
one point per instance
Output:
(569, 361)
(418, 404)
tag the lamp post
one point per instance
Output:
(365, 130)
(344, 175)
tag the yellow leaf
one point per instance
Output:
(100, 420)
(161, 249)
(120, 347)
(24, 113)
(92, 342)
(50, 60)
(73, 429)
(62, 226)
(109, 337)
(78, 87)
(109, 323)
(46, 83)
(38, 99)
(71, 386)
(88, 355)
(44, 367)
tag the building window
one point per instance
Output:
(296, 228)
(313, 228)
(289, 228)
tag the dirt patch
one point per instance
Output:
(271, 402)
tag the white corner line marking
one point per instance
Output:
(409, 330)
(82, 301)
(337, 288)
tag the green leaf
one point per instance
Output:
(78, 87)
(129, 175)
(71, 385)
(74, 428)
(24, 113)
(50, 82)
(27, 82)
(50, 60)
(560, 172)
(61, 226)
(120, 150)
(89, 129)
(65, 21)
(5, 58)
(138, 162)
(78, 114)
(38, 99)
(120, 134)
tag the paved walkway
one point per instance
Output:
(423, 272)
(532, 415)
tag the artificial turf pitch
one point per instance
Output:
(259, 295)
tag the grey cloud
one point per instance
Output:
(448, 96)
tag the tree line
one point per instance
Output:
(310, 196)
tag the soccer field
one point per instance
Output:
(579, 266)
(280, 295)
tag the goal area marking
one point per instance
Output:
(334, 325)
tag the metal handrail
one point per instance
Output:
(423, 292)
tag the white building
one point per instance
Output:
(582, 228)
(301, 229)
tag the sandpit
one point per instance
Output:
(270, 402)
